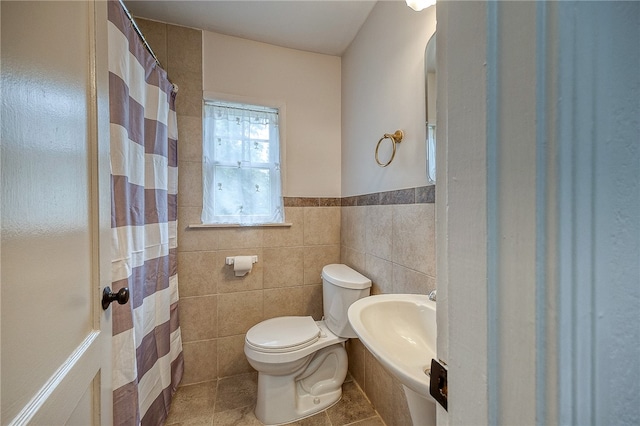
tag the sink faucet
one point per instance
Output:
(432, 295)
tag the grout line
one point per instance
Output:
(361, 420)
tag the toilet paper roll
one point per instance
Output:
(242, 265)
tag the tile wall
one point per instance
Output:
(389, 237)
(217, 308)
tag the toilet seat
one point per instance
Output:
(283, 334)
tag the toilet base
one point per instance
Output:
(313, 388)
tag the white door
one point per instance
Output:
(538, 207)
(55, 352)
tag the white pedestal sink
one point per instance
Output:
(400, 331)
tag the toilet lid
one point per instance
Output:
(283, 334)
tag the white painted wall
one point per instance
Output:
(382, 91)
(308, 84)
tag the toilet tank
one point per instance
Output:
(341, 286)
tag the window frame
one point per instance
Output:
(213, 97)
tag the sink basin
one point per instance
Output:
(400, 331)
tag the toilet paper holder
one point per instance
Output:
(231, 259)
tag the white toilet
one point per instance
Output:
(302, 363)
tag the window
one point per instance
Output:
(241, 164)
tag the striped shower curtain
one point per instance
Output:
(147, 347)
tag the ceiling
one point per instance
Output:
(320, 26)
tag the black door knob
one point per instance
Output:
(122, 296)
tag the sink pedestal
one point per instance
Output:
(400, 331)
(422, 409)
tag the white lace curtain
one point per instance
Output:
(241, 165)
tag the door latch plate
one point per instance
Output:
(438, 384)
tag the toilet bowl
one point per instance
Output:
(299, 382)
(302, 363)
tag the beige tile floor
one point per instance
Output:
(230, 401)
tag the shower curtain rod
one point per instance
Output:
(135, 27)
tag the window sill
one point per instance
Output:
(237, 225)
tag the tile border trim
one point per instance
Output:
(418, 195)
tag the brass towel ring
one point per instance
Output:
(395, 138)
